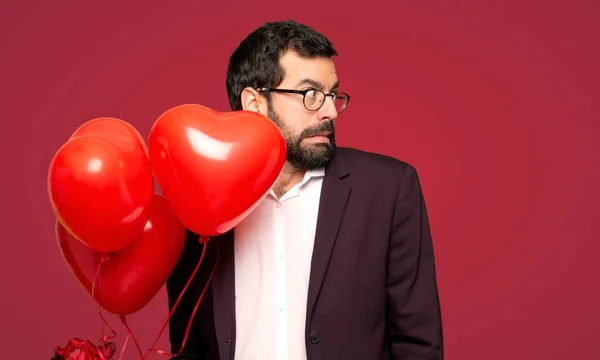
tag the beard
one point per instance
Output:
(306, 156)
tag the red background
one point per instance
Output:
(495, 103)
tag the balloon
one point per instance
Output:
(214, 168)
(101, 186)
(119, 133)
(131, 277)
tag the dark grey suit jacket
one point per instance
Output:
(373, 291)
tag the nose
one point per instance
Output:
(328, 111)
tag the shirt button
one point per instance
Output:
(314, 338)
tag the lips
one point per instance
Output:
(324, 134)
(322, 129)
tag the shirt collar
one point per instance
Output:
(309, 174)
(314, 173)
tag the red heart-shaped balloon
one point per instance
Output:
(131, 277)
(100, 184)
(215, 167)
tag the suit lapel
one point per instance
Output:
(223, 291)
(334, 197)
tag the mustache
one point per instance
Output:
(324, 126)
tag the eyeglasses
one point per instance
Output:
(314, 99)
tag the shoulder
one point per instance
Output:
(373, 163)
(375, 173)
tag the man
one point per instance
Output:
(337, 262)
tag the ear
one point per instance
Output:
(253, 101)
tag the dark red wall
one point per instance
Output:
(495, 103)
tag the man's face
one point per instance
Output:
(309, 135)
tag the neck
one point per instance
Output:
(289, 177)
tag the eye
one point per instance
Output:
(311, 93)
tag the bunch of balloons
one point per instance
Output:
(213, 168)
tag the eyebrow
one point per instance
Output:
(316, 84)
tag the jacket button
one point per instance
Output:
(314, 338)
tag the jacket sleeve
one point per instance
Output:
(414, 315)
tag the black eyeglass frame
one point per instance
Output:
(333, 96)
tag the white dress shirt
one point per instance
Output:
(273, 251)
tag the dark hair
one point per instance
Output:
(255, 63)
